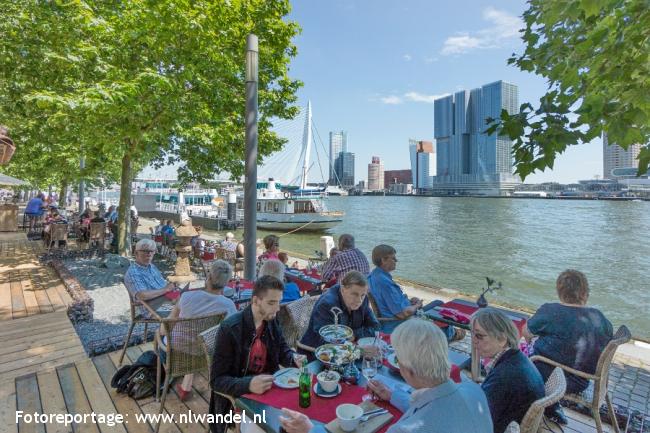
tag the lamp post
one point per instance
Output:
(250, 186)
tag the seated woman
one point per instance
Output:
(570, 333)
(272, 245)
(276, 268)
(197, 303)
(437, 404)
(351, 298)
(512, 383)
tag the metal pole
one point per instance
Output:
(82, 164)
(250, 186)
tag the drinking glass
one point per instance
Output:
(369, 367)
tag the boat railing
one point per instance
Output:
(220, 213)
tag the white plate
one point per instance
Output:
(287, 378)
(392, 360)
(328, 395)
(369, 341)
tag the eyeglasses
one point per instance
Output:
(147, 251)
(479, 336)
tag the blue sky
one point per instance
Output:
(373, 68)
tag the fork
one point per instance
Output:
(373, 414)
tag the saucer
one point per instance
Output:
(318, 390)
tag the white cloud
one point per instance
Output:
(407, 57)
(504, 27)
(391, 100)
(421, 97)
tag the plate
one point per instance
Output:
(336, 334)
(287, 378)
(369, 341)
(335, 355)
(319, 391)
(392, 361)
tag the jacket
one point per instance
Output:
(229, 370)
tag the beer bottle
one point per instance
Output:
(304, 386)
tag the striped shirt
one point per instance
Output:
(139, 278)
(344, 262)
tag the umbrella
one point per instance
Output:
(11, 181)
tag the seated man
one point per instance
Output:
(389, 297)
(229, 243)
(350, 297)
(437, 404)
(249, 348)
(347, 259)
(143, 280)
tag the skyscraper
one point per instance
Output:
(423, 163)
(338, 144)
(468, 160)
(615, 157)
(376, 174)
(344, 166)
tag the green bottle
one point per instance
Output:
(304, 386)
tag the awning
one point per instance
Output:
(6, 180)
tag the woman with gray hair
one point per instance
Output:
(276, 269)
(512, 383)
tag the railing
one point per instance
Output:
(202, 211)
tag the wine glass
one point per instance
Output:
(369, 371)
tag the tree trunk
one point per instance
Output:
(124, 210)
(63, 192)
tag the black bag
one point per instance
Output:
(138, 380)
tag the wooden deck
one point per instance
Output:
(27, 288)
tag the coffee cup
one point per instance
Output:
(349, 416)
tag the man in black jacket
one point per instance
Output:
(249, 348)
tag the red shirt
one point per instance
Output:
(257, 355)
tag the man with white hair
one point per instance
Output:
(437, 404)
(276, 269)
(143, 280)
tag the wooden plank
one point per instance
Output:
(43, 300)
(36, 332)
(41, 338)
(38, 322)
(5, 301)
(75, 397)
(41, 358)
(52, 399)
(43, 349)
(28, 400)
(17, 300)
(123, 403)
(42, 366)
(8, 407)
(98, 396)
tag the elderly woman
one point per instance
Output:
(437, 405)
(276, 269)
(197, 303)
(512, 383)
(570, 333)
(351, 298)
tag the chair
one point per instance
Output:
(231, 257)
(58, 232)
(600, 377)
(136, 317)
(294, 319)
(97, 234)
(208, 340)
(184, 352)
(382, 320)
(554, 390)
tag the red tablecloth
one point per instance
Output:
(468, 310)
(321, 409)
(305, 285)
(243, 284)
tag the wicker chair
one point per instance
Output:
(231, 257)
(375, 309)
(294, 319)
(137, 316)
(554, 390)
(184, 352)
(97, 235)
(58, 232)
(600, 395)
(208, 340)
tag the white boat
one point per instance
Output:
(303, 210)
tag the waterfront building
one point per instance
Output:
(344, 167)
(400, 188)
(617, 158)
(423, 163)
(469, 161)
(397, 176)
(338, 144)
(376, 174)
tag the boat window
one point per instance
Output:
(258, 205)
(275, 206)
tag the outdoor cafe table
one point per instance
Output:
(467, 308)
(306, 280)
(271, 422)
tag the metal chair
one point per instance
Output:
(600, 377)
(294, 319)
(184, 352)
(554, 390)
(138, 315)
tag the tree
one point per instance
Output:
(153, 81)
(595, 56)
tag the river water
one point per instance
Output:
(524, 243)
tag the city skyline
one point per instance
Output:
(377, 75)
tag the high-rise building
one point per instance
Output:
(344, 166)
(423, 163)
(376, 174)
(397, 176)
(617, 158)
(338, 144)
(469, 161)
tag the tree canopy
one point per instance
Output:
(128, 83)
(595, 57)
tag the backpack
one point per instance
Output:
(138, 380)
